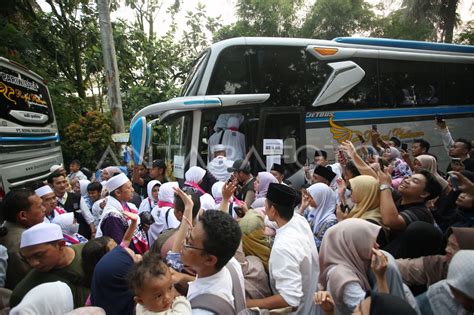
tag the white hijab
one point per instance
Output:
(49, 298)
(149, 188)
(83, 183)
(166, 193)
(325, 199)
(195, 174)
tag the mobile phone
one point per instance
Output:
(405, 146)
(239, 211)
(454, 182)
(374, 127)
(370, 151)
(439, 118)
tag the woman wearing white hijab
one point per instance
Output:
(194, 177)
(69, 227)
(163, 212)
(319, 206)
(49, 298)
(153, 188)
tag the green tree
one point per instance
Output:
(87, 138)
(328, 19)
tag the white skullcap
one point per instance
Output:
(218, 147)
(41, 233)
(44, 190)
(55, 167)
(116, 181)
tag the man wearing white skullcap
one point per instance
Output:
(114, 222)
(21, 209)
(50, 203)
(219, 164)
(44, 248)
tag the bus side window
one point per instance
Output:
(411, 83)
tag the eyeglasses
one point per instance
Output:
(186, 242)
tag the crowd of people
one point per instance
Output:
(380, 231)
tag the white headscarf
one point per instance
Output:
(111, 170)
(217, 191)
(325, 199)
(83, 183)
(149, 188)
(461, 272)
(166, 193)
(195, 174)
(66, 222)
(49, 298)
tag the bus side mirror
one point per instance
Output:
(138, 139)
(345, 75)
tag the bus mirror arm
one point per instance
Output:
(345, 75)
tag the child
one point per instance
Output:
(153, 287)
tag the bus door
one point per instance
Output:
(286, 125)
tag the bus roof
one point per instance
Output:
(411, 44)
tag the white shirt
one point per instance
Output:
(294, 265)
(159, 214)
(219, 284)
(86, 212)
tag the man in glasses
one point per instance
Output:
(208, 250)
(43, 248)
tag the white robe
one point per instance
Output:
(218, 167)
(294, 265)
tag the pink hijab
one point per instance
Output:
(264, 180)
(346, 250)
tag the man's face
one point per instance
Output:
(156, 172)
(277, 175)
(319, 179)
(416, 149)
(320, 160)
(457, 150)
(35, 214)
(94, 195)
(49, 202)
(237, 176)
(193, 254)
(125, 192)
(42, 257)
(413, 186)
(59, 185)
(142, 171)
(465, 201)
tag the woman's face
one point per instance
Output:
(256, 183)
(154, 192)
(465, 201)
(386, 154)
(452, 247)
(417, 165)
(312, 202)
(77, 187)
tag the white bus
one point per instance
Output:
(29, 140)
(317, 93)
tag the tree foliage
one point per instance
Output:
(87, 138)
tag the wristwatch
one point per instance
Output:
(385, 186)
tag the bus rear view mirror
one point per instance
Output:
(138, 138)
(344, 76)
